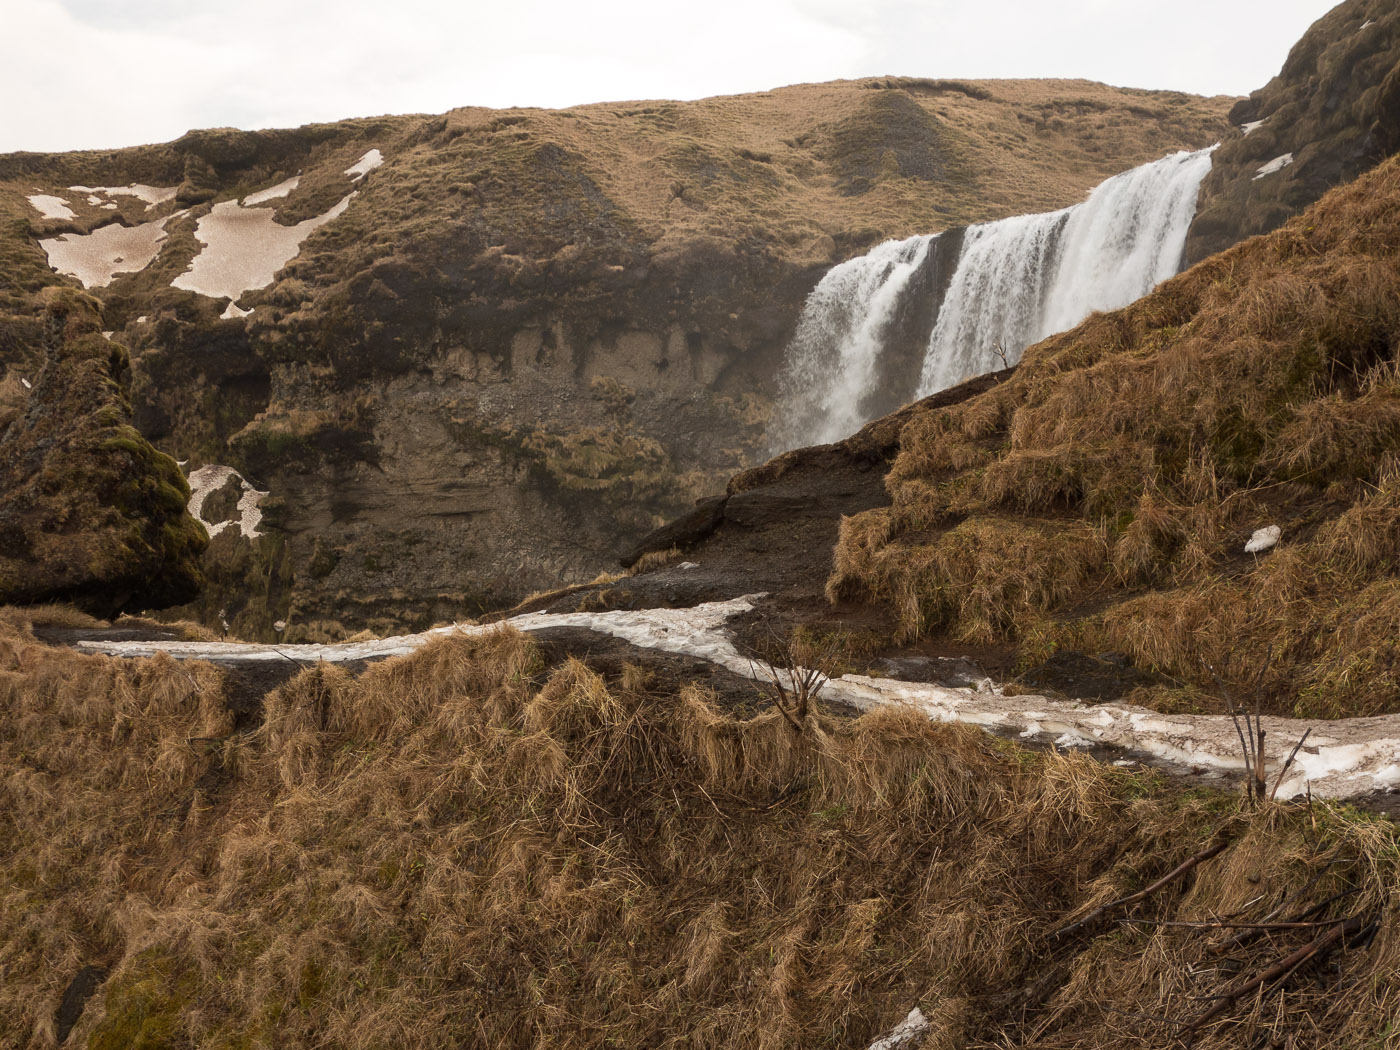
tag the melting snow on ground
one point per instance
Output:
(233, 311)
(1341, 759)
(1263, 539)
(152, 195)
(51, 207)
(96, 258)
(244, 248)
(272, 193)
(208, 480)
(1247, 128)
(904, 1034)
(1277, 164)
(365, 165)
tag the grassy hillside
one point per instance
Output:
(1100, 499)
(468, 848)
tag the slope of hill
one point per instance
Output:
(1083, 520)
(481, 845)
(543, 331)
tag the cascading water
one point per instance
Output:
(833, 356)
(1016, 281)
(1022, 279)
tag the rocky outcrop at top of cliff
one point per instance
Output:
(1331, 113)
(470, 355)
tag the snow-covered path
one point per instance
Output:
(1346, 758)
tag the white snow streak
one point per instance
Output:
(1263, 539)
(244, 248)
(272, 193)
(365, 165)
(904, 1033)
(96, 258)
(1277, 164)
(152, 195)
(1342, 759)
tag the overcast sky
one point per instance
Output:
(100, 73)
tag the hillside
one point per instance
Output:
(489, 844)
(1080, 523)
(544, 331)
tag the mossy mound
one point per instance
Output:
(89, 512)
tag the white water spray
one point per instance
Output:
(1022, 279)
(1017, 281)
(831, 363)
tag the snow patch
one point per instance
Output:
(244, 248)
(903, 1034)
(233, 311)
(272, 193)
(27, 384)
(207, 480)
(1250, 126)
(1263, 539)
(96, 258)
(1277, 164)
(152, 195)
(51, 207)
(1368, 22)
(365, 165)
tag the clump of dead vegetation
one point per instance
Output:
(464, 848)
(1100, 499)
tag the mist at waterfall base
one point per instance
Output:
(916, 316)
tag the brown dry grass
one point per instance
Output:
(1105, 492)
(458, 849)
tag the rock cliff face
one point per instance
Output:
(90, 513)
(1331, 113)
(511, 342)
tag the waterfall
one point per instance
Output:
(833, 358)
(1015, 282)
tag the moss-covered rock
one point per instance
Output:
(89, 511)
(1331, 113)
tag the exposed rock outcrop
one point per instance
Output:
(90, 513)
(1331, 113)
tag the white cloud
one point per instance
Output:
(101, 74)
